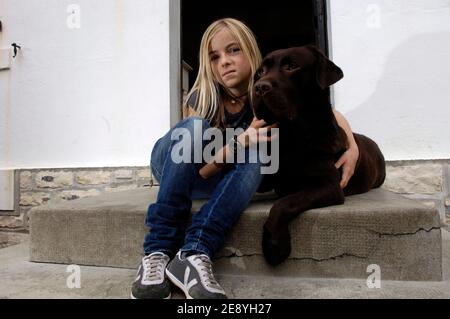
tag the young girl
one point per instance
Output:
(229, 56)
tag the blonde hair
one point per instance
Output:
(208, 103)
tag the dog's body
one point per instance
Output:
(290, 89)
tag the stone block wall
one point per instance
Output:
(38, 187)
(426, 181)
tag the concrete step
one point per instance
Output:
(401, 236)
(23, 279)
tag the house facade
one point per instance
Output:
(94, 84)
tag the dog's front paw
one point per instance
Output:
(276, 244)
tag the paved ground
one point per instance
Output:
(20, 278)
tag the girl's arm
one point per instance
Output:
(349, 159)
(257, 132)
(210, 169)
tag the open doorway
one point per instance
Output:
(276, 24)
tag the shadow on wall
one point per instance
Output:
(409, 113)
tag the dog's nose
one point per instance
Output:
(262, 88)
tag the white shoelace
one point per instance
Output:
(154, 266)
(206, 271)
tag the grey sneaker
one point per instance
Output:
(194, 276)
(151, 282)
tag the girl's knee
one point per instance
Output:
(191, 133)
(252, 175)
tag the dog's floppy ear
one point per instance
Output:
(327, 73)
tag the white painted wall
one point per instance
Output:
(396, 59)
(90, 97)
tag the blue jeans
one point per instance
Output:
(228, 192)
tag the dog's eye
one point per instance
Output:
(291, 67)
(260, 72)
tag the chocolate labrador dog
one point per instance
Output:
(291, 89)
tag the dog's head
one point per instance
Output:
(291, 80)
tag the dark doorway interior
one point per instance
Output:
(277, 24)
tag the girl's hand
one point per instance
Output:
(348, 162)
(256, 133)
